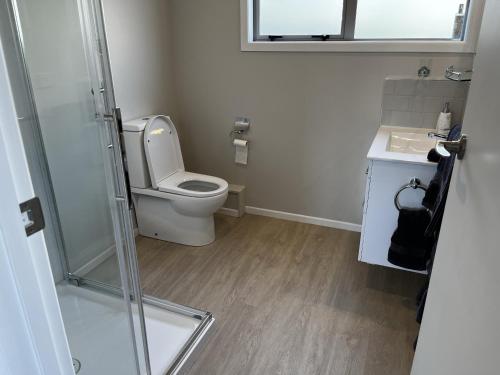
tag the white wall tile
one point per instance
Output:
(386, 117)
(457, 107)
(417, 119)
(406, 87)
(396, 103)
(439, 88)
(401, 118)
(432, 104)
(415, 102)
(389, 87)
(461, 90)
(430, 120)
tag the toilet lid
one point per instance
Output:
(162, 149)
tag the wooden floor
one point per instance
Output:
(288, 298)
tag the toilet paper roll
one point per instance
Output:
(241, 154)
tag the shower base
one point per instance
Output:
(97, 323)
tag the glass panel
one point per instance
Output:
(65, 82)
(405, 19)
(300, 17)
(73, 143)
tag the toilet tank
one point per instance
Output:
(133, 139)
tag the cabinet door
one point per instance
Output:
(380, 215)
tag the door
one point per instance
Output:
(460, 332)
(59, 75)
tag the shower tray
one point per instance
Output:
(96, 321)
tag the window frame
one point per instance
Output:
(345, 42)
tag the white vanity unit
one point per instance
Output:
(397, 155)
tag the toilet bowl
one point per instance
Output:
(170, 203)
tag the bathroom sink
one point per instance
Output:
(410, 143)
(402, 144)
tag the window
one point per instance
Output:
(416, 24)
(404, 19)
(298, 18)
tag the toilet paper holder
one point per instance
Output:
(240, 126)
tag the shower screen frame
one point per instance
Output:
(188, 352)
(185, 357)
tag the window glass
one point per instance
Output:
(300, 17)
(410, 19)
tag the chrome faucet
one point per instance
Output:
(437, 135)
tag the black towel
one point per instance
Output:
(435, 200)
(410, 248)
(437, 191)
(433, 156)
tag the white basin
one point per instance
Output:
(402, 144)
(410, 143)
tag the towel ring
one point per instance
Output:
(413, 184)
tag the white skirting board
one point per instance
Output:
(304, 219)
(94, 262)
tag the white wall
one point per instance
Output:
(138, 42)
(313, 114)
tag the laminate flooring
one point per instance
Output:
(288, 298)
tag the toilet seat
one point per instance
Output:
(162, 149)
(193, 185)
(166, 167)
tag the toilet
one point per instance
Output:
(171, 204)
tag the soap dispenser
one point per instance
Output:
(444, 120)
(458, 26)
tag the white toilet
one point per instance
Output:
(171, 204)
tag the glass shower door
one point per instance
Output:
(67, 96)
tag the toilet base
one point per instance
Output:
(158, 219)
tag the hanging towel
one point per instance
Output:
(435, 197)
(435, 201)
(410, 248)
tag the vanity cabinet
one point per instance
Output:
(387, 173)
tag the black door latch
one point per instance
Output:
(32, 216)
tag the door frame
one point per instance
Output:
(27, 257)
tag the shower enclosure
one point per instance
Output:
(60, 76)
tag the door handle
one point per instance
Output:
(446, 148)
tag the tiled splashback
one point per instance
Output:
(417, 103)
